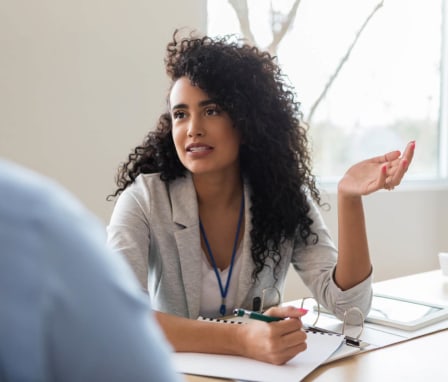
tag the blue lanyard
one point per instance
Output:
(222, 309)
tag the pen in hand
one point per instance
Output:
(255, 315)
(258, 316)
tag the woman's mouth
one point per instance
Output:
(196, 148)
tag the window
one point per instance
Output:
(392, 87)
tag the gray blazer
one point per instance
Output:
(155, 225)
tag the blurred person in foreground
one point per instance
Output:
(70, 308)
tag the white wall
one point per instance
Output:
(406, 229)
(82, 81)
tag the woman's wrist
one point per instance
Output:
(239, 340)
(344, 196)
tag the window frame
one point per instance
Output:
(443, 96)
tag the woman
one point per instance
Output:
(220, 199)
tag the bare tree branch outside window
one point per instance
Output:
(280, 24)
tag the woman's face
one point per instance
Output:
(205, 139)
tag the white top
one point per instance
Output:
(210, 292)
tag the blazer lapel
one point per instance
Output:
(245, 282)
(185, 215)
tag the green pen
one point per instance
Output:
(255, 315)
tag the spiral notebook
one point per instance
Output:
(321, 348)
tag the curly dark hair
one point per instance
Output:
(249, 85)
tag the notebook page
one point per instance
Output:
(320, 348)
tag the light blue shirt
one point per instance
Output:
(70, 309)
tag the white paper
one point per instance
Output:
(320, 348)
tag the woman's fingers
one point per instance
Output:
(285, 341)
(382, 172)
(396, 169)
(286, 311)
(409, 152)
(276, 342)
(391, 156)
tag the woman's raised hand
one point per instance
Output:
(382, 172)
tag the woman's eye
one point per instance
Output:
(212, 111)
(178, 114)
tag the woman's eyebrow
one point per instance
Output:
(207, 102)
(180, 106)
(200, 104)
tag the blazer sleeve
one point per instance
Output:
(315, 264)
(128, 232)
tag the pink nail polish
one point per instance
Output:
(303, 311)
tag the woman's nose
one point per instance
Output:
(195, 128)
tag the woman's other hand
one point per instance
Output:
(275, 342)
